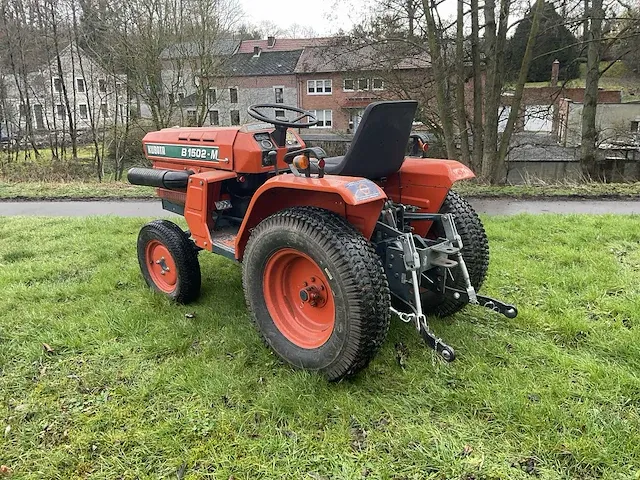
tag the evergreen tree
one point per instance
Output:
(554, 41)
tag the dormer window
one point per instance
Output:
(256, 51)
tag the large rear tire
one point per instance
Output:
(169, 261)
(317, 291)
(475, 251)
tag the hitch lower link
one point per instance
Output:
(416, 263)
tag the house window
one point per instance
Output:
(280, 113)
(170, 98)
(355, 116)
(102, 85)
(279, 92)
(57, 85)
(23, 110)
(363, 84)
(84, 112)
(325, 118)
(39, 114)
(214, 117)
(60, 111)
(104, 109)
(378, 84)
(233, 97)
(213, 96)
(319, 87)
(635, 127)
(348, 85)
(191, 117)
(118, 89)
(80, 85)
(235, 117)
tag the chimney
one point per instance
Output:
(555, 72)
(256, 51)
(271, 41)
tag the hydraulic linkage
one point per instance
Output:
(410, 261)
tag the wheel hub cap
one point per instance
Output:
(299, 298)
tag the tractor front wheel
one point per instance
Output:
(169, 261)
(316, 290)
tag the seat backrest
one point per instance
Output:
(380, 142)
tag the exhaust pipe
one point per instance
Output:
(152, 177)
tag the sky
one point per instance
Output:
(324, 16)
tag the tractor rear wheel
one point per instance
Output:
(317, 291)
(475, 251)
(169, 261)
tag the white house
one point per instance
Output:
(81, 90)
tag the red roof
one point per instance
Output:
(283, 44)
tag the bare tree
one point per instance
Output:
(593, 38)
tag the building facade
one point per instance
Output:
(81, 93)
(333, 80)
(337, 82)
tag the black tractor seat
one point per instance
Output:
(379, 144)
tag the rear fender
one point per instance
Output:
(356, 199)
(424, 183)
(203, 190)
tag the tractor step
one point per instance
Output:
(223, 242)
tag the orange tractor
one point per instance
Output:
(330, 247)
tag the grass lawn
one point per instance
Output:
(127, 387)
(560, 190)
(72, 190)
(124, 190)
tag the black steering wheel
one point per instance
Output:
(255, 112)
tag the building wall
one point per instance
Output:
(343, 104)
(100, 89)
(251, 90)
(551, 95)
(613, 122)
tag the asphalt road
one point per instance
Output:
(153, 208)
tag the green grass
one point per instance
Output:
(568, 190)
(72, 190)
(134, 389)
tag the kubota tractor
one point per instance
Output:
(330, 247)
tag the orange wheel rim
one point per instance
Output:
(161, 266)
(299, 298)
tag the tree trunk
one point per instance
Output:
(588, 147)
(460, 80)
(478, 131)
(522, 79)
(494, 171)
(440, 77)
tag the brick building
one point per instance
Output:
(540, 109)
(256, 71)
(329, 76)
(337, 81)
(249, 78)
